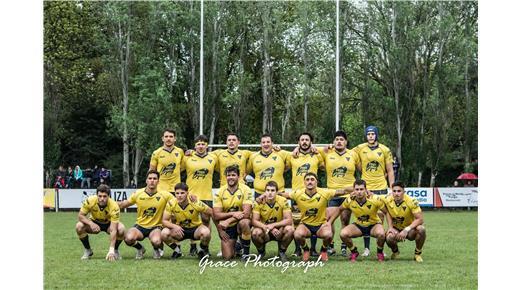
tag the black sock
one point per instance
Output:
(205, 248)
(343, 246)
(379, 250)
(418, 252)
(118, 242)
(261, 250)
(297, 247)
(354, 250)
(137, 245)
(193, 246)
(173, 245)
(367, 242)
(281, 250)
(331, 246)
(395, 250)
(305, 247)
(323, 249)
(85, 242)
(245, 245)
(314, 241)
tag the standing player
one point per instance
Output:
(272, 221)
(267, 165)
(367, 221)
(167, 161)
(150, 207)
(104, 216)
(312, 202)
(199, 168)
(181, 221)
(232, 156)
(303, 162)
(376, 164)
(232, 210)
(405, 221)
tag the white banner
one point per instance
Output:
(73, 198)
(458, 196)
(424, 195)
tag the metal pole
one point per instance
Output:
(201, 77)
(337, 65)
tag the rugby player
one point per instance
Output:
(405, 221)
(104, 216)
(167, 161)
(272, 221)
(150, 207)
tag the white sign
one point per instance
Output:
(424, 195)
(458, 196)
(73, 198)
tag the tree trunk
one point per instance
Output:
(138, 160)
(305, 71)
(193, 98)
(396, 87)
(124, 58)
(266, 95)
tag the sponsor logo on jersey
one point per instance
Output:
(267, 173)
(363, 218)
(168, 169)
(339, 172)
(372, 166)
(311, 212)
(271, 220)
(304, 169)
(149, 212)
(201, 173)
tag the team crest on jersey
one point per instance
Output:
(168, 169)
(379, 153)
(201, 173)
(274, 158)
(276, 207)
(318, 198)
(348, 158)
(372, 166)
(267, 173)
(210, 160)
(404, 207)
(239, 156)
(302, 170)
(158, 198)
(239, 196)
(191, 211)
(176, 154)
(369, 206)
(339, 172)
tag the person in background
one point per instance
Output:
(78, 176)
(87, 178)
(95, 176)
(396, 165)
(70, 178)
(104, 176)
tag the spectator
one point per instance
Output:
(78, 176)
(87, 177)
(396, 166)
(455, 183)
(104, 176)
(95, 176)
(132, 184)
(70, 178)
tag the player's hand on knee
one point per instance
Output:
(402, 235)
(276, 233)
(95, 228)
(223, 235)
(238, 215)
(178, 231)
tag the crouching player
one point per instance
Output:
(272, 221)
(367, 222)
(405, 221)
(104, 216)
(182, 220)
(232, 211)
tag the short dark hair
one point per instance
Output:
(232, 168)
(308, 134)
(170, 130)
(152, 171)
(272, 183)
(360, 182)
(232, 134)
(182, 186)
(266, 135)
(311, 174)
(103, 188)
(340, 133)
(398, 183)
(202, 138)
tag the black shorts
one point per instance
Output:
(102, 226)
(313, 229)
(336, 201)
(208, 203)
(380, 192)
(146, 231)
(232, 232)
(365, 230)
(189, 233)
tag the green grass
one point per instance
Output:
(450, 261)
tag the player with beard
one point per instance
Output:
(376, 164)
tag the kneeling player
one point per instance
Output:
(232, 211)
(104, 216)
(182, 220)
(405, 220)
(367, 221)
(150, 207)
(272, 220)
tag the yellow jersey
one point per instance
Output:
(199, 174)
(340, 168)
(403, 213)
(150, 208)
(225, 159)
(110, 213)
(313, 208)
(272, 213)
(168, 164)
(373, 165)
(230, 202)
(305, 163)
(187, 217)
(268, 167)
(366, 213)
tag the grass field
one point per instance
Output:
(450, 262)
